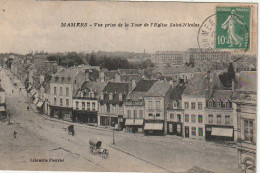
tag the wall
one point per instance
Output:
(58, 96)
(85, 101)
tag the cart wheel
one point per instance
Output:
(105, 154)
(91, 149)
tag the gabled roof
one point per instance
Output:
(247, 81)
(65, 75)
(198, 85)
(116, 87)
(141, 89)
(130, 77)
(159, 89)
(111, 74)
(221, 95)
(177, 92)
(128, 71)
(86, 87)
(178, 69)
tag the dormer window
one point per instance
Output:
(175, 104)
(56, 79)
(111, 96)
(219, 104)
(90, 94)
(210, 104)
(120, 96)
(102, 97)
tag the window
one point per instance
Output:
(135, 113)
(193, 118)
(83, 105)
(218, 119)
(210, 120)
(227, 120)
(200, 131)
(150, 105)
(178, 117)
(200, 119)
(128, 113)
(219, 104)
(150, 115)
(186, 105)
(67, 91)
(172, 116)
(90, 94)
(88, 105)
(108, 108)
(187, 118)
(55, 101)
(157, 105)
(175, 105)
(67, 102)
(249, 131)
(61, 93)
(61, 102)
(210, 104)
(110, 96)
(55, 91)
(141, 114)
(93, 106)
(193, 105)
(193, 131)
(158, 115)
(77, 105)
(200, 105)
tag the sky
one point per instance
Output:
(36, 25)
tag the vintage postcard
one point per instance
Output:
(128, 86)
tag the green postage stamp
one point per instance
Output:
(233, 28)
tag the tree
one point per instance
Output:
(227, 77)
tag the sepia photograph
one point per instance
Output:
(128, 86)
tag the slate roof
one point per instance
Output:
(178, 69)
(130, 77)
(159, 89)
(223, 95)
(198, 85)
(115, 88)
(247, 81)
(177, 92)
(110, 74)
(141, 89)
(65, 75)
(86, 87)
(128, 71)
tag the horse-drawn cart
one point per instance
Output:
(95, 148)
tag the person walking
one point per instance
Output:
(15, 133)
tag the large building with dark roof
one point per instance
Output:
(156, 101)
(134, 106)
(111, 104)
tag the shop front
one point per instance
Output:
(220, 133)
(174, 128)
(84, 116)
(134, 125)
(39, 105)
(61, 112)
(153, 128)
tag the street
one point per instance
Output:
(40, 137)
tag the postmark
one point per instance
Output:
(227, 29)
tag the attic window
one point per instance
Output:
(210, 103)
(90, 94)
(56, 79)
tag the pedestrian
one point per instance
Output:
(15, 134)
(28, 108)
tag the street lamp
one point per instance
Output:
(113, 124)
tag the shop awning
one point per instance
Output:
(39, 104)
(134, 122)
(2, 109)
(153, 126)
(35, 101)
(29, 87)
(33, 91)
(227, 132)
(129, 122)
